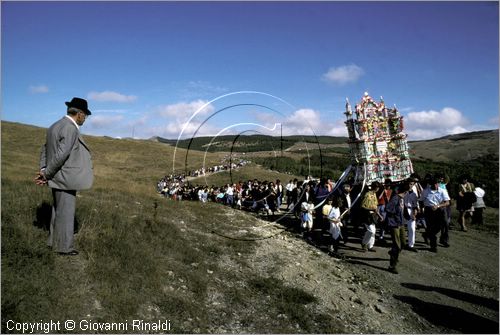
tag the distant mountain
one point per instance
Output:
(162, 140)
(249, 143)
(458, 147)
(451, 148)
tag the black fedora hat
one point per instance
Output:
(80, 104)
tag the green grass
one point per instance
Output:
(252, 143)
(291, 303)
(141, 256)
(133, 258)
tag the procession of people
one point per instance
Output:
(319, 206)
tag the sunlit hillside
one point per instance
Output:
(206, 268)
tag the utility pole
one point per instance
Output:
(281, 138)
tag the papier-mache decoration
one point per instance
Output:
(376, 140)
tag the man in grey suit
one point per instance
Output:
(66, 166)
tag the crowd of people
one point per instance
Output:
(391, 208)
(177, 187)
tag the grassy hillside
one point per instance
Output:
(474, 154)
(141, 256)
(250, 143)
(460, 147)
(145, 257)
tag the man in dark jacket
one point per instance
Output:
(395, 211)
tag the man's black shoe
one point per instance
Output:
(393, 270)
(70, 253)
(426, 240)
(381, 242)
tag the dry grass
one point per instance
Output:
(141, 256)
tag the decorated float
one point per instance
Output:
(377, 143)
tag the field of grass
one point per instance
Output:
(459, 147)
(141, 256)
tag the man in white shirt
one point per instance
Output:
(229, 195)
(289, 188)
(411, 208)
(435, 200)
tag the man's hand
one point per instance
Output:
(40, 178)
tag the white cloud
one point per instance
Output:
(337, 128)
(266, 118)
(344, 74)
(165, 121)
(110, 96)
(200, 88)
(179, 114)
(35, 89)
(193, 128)
(447, 117)
(434, 124)
(185, 110)
(494, 121)
(305, 121)
(101, 121)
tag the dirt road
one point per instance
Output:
(452, 291)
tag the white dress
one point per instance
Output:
(334, 218)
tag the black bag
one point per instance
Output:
(470, 198)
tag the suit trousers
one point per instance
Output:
(435, 220)
(62, 222)
(398, 242)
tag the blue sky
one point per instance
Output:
(146, 67)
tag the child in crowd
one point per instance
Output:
(370, 215)
(306, 216)
(479, 206)
(335, 223)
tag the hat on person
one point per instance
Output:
(80, 104)
(402, 188)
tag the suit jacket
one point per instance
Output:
(395, 211)
(344, 203)
(66, 158)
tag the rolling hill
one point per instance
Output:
(459, 147)
(207, 268)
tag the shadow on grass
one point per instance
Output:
(460, 295)
(43, 215)
(451, 317)
(292, 302)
